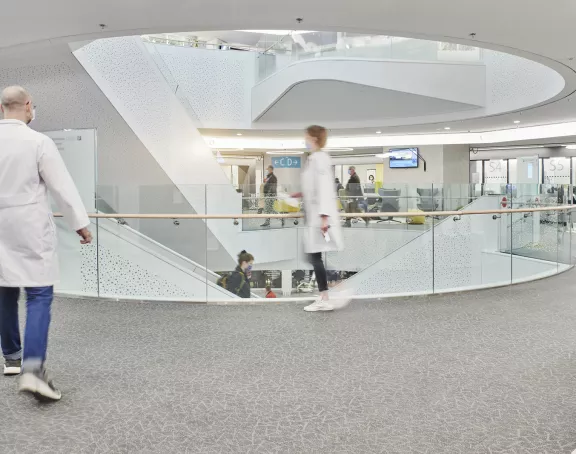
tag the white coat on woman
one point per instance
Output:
(319, 197)
(30, 165)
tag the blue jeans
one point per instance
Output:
(38, 305)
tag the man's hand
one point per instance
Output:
(296, 195)
(86, 235)
(325, 225)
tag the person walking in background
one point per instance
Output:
(322, 231)
(238, 282)
(270, 194)
(338, 185)
(30, 166)
(354, 193)
(269, 292)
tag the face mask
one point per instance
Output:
(308, 146)
(33, 116)
(349, 172)
(249, 268)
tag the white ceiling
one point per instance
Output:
(327, 102)
(531, 28)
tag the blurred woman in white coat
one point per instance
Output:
(30, 166)
(323, 232)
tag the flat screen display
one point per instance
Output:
(403, 158)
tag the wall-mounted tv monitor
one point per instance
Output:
(403, 158)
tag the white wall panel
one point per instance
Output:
(127, 74)
(217, 83)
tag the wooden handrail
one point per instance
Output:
(396, 214)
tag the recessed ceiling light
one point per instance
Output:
(571, 147)
(516, 122)
(285, 152)
(239, 134)
(339, 149)
(378, 132)
(447, 128)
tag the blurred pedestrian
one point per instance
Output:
(323, 232)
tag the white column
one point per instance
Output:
(286, 282)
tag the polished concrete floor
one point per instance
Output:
(483, 372)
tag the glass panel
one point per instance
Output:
(564, 238)
(476, 177)
(513, 171)
(534, 235)
(556, 170)
(466, 248)
(256, 201)
(276, 250)
(78, 263)
(182, 259)
(495, 176)
(313, 45)
(162, 259)
(414, 49)
(390, 255)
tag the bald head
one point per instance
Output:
(14, 96)
(16, 104)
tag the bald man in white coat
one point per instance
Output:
(30, 166)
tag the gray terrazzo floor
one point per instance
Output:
(483, 372)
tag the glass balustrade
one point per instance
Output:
(166, 242)
(278, 52)
(316, 45)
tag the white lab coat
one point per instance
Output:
(319, 196)
(30, 164)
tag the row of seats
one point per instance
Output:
(429, 199)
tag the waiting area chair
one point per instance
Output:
(429, 199)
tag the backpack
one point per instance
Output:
(223, 282)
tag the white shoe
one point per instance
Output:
(319, 305)
(40, 386)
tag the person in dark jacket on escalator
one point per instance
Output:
(238, 281)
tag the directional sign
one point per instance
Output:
(286, 162)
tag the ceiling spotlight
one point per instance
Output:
(239, 134)
(378, 132)
(447, 128)
(516, 122)
(571, 147)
